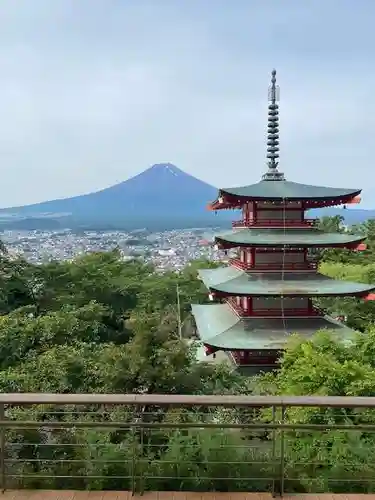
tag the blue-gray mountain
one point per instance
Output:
(162, 194)
(162, 189)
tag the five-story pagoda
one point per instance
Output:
(266, 293)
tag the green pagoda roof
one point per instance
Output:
(220, 327)
(282, 189)
(233, 281)
(292, 237)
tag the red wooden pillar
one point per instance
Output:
(254, 212)
(310, 307)
(250, 309)
(244, 212)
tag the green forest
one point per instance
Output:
(99, 324)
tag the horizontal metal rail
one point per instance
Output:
(181, 400)
(274, 266)
(184, 442)
(295, 223)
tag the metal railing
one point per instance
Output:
(274, 266)
(288, 223)
(189, 443)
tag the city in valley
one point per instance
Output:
(168, 250)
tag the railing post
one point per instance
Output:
(138, 450)
(274, 452)
(133, 462)
(142, 463)
(282, 453)
(2, 449)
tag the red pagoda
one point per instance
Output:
(266, 293)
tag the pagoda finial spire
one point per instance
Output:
(273, 132)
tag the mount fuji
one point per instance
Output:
(161, 193)
(161, 189)
(162, 196)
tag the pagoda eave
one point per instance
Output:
(220, 328)
(220, 294)
(230, 201)
(288, 238)
(307, 203)
(231, 281)
(216, 205)
(285, 191)
(227, 245)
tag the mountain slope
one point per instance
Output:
(161, 190)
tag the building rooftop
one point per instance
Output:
(293, 237)
(231, 280)
(281, 189)
(220, 327)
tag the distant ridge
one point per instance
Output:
(159, 194)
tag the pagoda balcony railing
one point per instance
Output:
(290, 312)
(243, 358)
(288, 223)
(272, 313)
(88, 442)
(274, 266)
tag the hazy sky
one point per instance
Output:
(94, 91)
